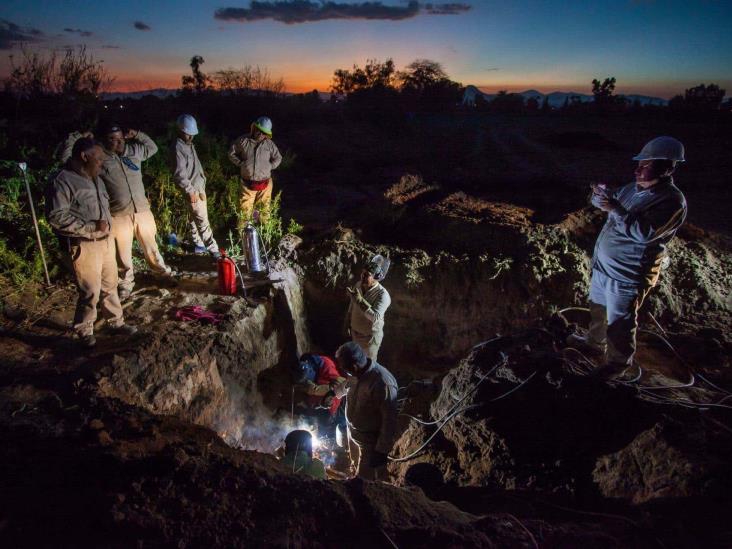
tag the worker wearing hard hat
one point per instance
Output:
(369, 302)
(188, 174)
(256, 155)
(78, 211)
(371, 411)
(125, 151)
(643, 217)
(299, 455)
(319, 374)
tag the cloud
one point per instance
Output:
(303, 11)
(11, 34)
(492, 69)
(139, 25)
(110, 47)
(79, 32)
(453, 8)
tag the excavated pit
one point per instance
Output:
(131, 403)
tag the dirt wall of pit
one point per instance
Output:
(232, 376)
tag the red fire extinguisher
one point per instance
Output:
(227, 275)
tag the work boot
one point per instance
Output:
(88, 341)
(610, 371)
(123, 294)
(216, 255)
(583, 343)
(122, 329)
(629, 374)
(200, 250)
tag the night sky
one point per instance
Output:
(651, 47)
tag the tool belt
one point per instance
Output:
(256, 185)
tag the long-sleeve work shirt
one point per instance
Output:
(256, 158)
(75, 204)
(633, 241)
(371, 408)
(368, 319)
(187, 169)
(122, 175)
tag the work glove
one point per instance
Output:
(378, 460)
(328, 399)
(341, 389)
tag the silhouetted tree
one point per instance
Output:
(603, 93)
(545, 105)
(532, 104)
(425, 84)
(250, 80)
(199, 81)
(76, 73)
(706, 98)
(374, 75)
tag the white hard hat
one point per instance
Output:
(662, 148)
(378, 266)
(264, 124)
(187, 124)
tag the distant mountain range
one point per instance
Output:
(557, 98)
(157, 92)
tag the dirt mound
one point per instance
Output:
(520, 417)
(407, 189)
(97, 472)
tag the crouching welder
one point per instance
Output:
(643, 217)
(78, 211)
(371, 411)
(368, 305)
(299, 455)
(321, 375)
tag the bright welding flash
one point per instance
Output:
(316, 441)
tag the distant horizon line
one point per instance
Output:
(485, 89)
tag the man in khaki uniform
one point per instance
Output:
(256, 155)
(368, 305)
(188, 175)
(132, 218)
(78, 211)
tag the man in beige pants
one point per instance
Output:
(132, 218)
(188, 175)
(256, 155)
(78, 211)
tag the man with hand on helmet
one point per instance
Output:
(369, 302)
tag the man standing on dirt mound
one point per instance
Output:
(643, 217)
(188, 175)
(369, 302)
(124, 153)
(371, 411)
(78, 211)
(256, 155)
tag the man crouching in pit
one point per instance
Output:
(78, 211)
(371, 411)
